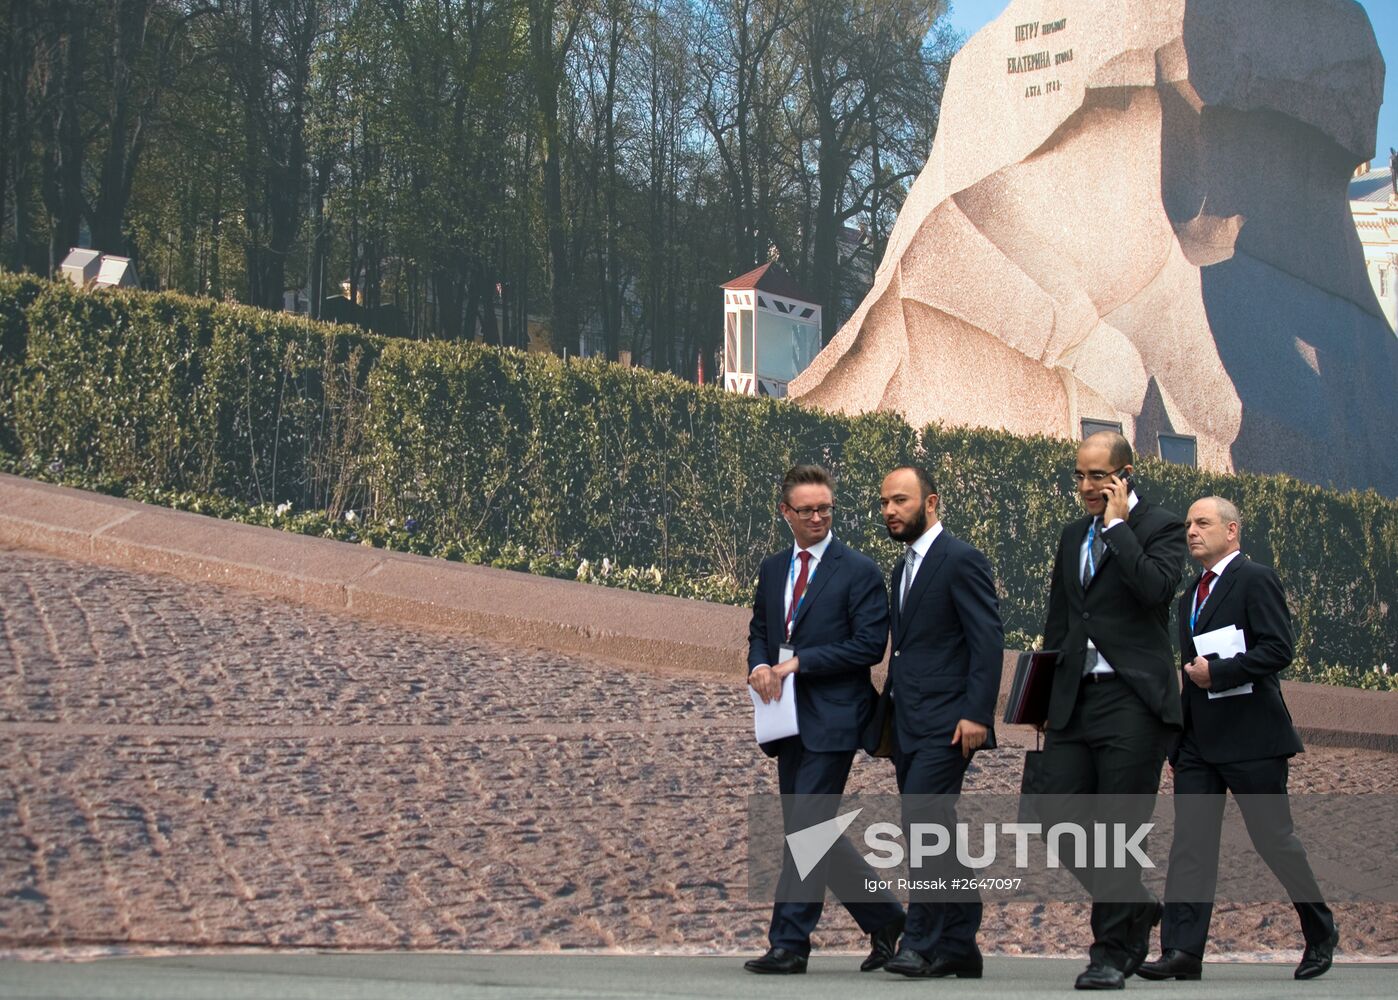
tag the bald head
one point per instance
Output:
(1118, 448)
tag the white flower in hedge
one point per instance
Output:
(655, 575)
(583, 569)
(606, 566)
(351, 516)
(284, 508)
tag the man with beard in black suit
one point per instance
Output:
(943, 679)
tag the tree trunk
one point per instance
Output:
(124, 138)
(547, 60)
(63, 160)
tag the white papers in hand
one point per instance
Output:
(1223, 643)
(775, 720)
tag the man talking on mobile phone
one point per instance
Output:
(1115, 702)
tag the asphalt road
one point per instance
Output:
(430, 976)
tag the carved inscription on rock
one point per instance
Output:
(1033, 62)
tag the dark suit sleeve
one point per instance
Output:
(868, 629)
(1056, 623)
(1150, 569)
(757, 628)
(1269, 635)
(979, 612)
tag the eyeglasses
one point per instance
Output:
(1096, 477)
(806, 513)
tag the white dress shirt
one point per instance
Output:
(919, 547)
(817, 550)
(1217, 570)
(1102, 667)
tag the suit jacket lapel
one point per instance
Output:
(931, 562)
(1216, 594)
(1073, 564)
(776, 604)
(1135, 511)
(895, 585)
(823, 571)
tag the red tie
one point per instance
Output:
(1204, 582)
(798, 590)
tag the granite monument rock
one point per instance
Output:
(1135, 212)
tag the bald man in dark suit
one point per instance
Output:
(1237, 737)
(1114, 702)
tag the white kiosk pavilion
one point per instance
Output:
(771, 331)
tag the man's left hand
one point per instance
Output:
(1198, 671)
(971, 736)
(787, 667)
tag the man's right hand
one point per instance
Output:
(766, 683)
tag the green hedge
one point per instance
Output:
(526, 461)
(191, 394)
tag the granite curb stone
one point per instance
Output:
(650, 631)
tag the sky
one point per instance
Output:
(968, 16)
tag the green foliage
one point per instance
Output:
(17, 291)
(582, 469)
(193, 395)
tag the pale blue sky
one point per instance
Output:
(968, 16)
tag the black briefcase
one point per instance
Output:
(1032, 783)
(877, 737)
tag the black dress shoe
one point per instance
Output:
(961, 968)
(777, 962)
(1316, 959)
(1172, 964)
(908, 963)
(1139, 942)
(1100, 977)
(885, 943)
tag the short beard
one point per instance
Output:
(913, 530)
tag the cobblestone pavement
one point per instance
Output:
(195, 767)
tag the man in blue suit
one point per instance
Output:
(820, 613)
(943, 679)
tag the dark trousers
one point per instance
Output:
(1112, 745)
(929, 779)
(802, 772)
(1259, 787)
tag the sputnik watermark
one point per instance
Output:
(1067, 848)
(1111, 844)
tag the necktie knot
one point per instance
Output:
(798, 589)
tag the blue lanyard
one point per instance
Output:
(1198, 606)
